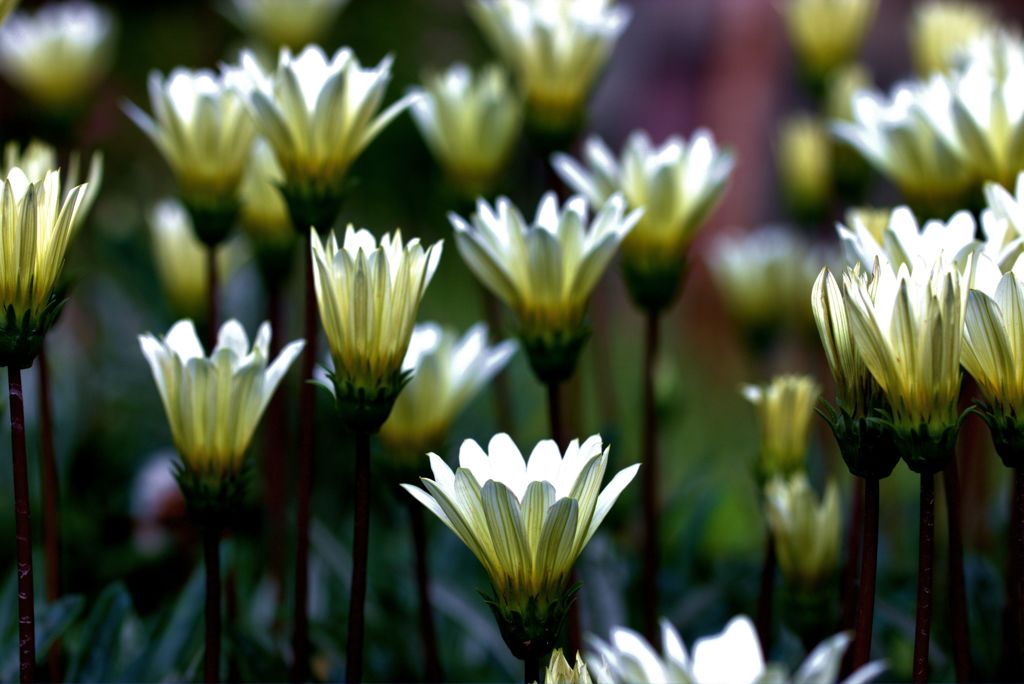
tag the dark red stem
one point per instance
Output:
(868, 568)
(853, 555)
(925, 559)
(428, 635)
(957, 583)
(650, 484)
(360, 552)
(22, 532)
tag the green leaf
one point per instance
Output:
(95, 657)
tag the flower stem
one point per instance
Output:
(957, 583)
(854, 550)
(51, 503)
(650, 484)
(274, 446)
(531, 669)
(211, 298)
(502, 394)
(360, 549)
(766, 595)
(925, 557)
(307, 406)
(868, 568)
(558, 434)
(427, 634)
(1018, 552)
(22, 532)
(211, 554)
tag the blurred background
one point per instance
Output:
(130, 563)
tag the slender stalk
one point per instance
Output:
(531, 669)
(51, 503)
(925, 558)
(211, 553)
(211, 297)
(22, 532)
(307, 404)
(502, 392)
(853, 555)
(1018, 553)
(431, 657)
(273, 448)
(650, 483)
(868, 568)
(360, 550)
(766, 596)
(957, 584)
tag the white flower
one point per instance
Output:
(1003, 223)
(214, 403)
(903, 242)
(37, 159)
(284, 23)
(57, 55)
(940, 31)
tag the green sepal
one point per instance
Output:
(314, 205)
(22, 339)
(810, 611)
(553, 131)
(867, 444)
(212, 219)
(927, 448)
(212, 497)
(531, 628)
(1007, 434)
(553, 356)
(654, 287)
(364, 409)
(274, 261)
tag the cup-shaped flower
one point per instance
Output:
(318, 114)
(556, 49)
(447, 372)
(204, 131)
(676, 184)
(57, 55)
(559, 671)
(805, 166)
(1002, 222)
(526, 522)
(263, 214)
(908, 327)
(805, 529)
(37, 158)
(284, 23)
(785, 407)
(993, 353)
(471, 123)
(544, 271)
(733, 655)
(941, 31)
(368, 295)
(820, 51)
(904, 242)
(36, 225)
(214, 403)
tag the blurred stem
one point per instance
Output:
(957, 583)
(558, 434)
(766, 596)
(51, 503)
(502, 394)
(211, 297)
(274, 444)
(431, 657)
(650, 484)
(531, 669)
(360, 549)
(22, 532)
(1017, 512)
(307, 406)
(211, 554)
(868, 568)
(925, 557)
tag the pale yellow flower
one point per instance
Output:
(263, 214)
(202, 129)
(556, 48)
(805, 164)
(214, 402)
(559, 671)
(57, 55)
(785, 407)
(903, 241)
(447, 372)
(843, 84)
(941, 30)
(368, 296)
(827, 33)
(471, 123)
(805, 530)
(37, 158)
(284, 23)
(1003, 223)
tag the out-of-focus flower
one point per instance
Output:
(676, 184)
(263, 214)
(556, 49)
(820, 49)
(908, 326)
(785, 407)
(37, 158)
(805, 166)
(903, 242)
(447, 372)
(180, 258)
(1003, 223)
(941, 30)
(843, 84)
(909, 138)
(36, 224)
(318, 115)
(368, 296)
(214, 403)
(544, 271)
(559, 671)
(805, 530)
(872, 219)
(284, 23)
(733, 655)
(156, 504)
(526, 522)
(6, 7)
(57, 55)
(471, 123)
(764, 275)
(204, 131)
